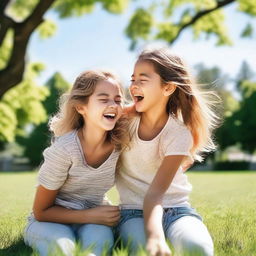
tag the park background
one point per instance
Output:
(41, 57)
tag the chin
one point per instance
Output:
(139, 109)
(108, 128)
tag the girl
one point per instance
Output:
(78, 169)
(172, 126)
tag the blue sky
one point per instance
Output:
(97, 40)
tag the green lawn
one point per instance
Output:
(226, 200)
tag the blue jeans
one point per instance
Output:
(182, 226)
(48, 238)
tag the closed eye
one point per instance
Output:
(140, 81)
(118, 101)
(103, 100)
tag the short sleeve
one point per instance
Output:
(54, 170)
(180, 144)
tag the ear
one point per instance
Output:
(81, 109)
(169, 89)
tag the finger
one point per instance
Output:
(109, 207)
(112, 224)
(114, 208)
(115, 219)
(115, 214)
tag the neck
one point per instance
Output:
(97, 140)
(153, 119)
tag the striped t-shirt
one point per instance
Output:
(64, 168)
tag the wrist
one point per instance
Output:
(88, 216)
(155, 236)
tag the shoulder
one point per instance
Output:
(177, 130)
(63, 144)
(65, 139)
(176, 126)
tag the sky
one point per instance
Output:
(97, 40)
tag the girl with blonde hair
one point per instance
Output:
(79, 168)
(171, 126)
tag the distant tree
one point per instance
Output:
(212, 78)
(245, 74)
(39, 138)
(245, 119)
(22, 105)
(239, 126)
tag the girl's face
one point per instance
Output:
(146, 88)
(104, 106)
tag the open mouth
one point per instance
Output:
(110, 116)
(138, 98)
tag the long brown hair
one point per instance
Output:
(68, 119)
(192, 105)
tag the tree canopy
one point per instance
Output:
(56, 85)
(20, 18)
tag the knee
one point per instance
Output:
(105, 239)
(98, 236)
(198, 248)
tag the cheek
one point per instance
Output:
(120, 109)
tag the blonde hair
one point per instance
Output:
(188, 103)
(68, 119)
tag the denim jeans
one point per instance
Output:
(182, 226)
(48, 237)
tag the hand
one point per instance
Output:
(108, 215)
(158, 247)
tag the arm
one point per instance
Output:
(45, 210)
(152, 207)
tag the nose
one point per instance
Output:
(134, 84)
(112, 104)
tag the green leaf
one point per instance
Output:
(212, 24)
(114, 6)
(248, 31)
(167, 31)
(47, 29)
(21, 9)
(247, 6)
(5, 49)
(140, 25)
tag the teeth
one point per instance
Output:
(110, 115)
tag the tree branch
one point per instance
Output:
(12, 74)
(200, 15)
(3, 5)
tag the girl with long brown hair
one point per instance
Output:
(172, 126)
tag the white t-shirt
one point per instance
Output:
(140, 163)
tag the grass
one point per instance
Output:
(226, 200)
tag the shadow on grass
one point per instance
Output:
(18, 248)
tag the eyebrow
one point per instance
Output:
(107, 95)
(142, 74)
